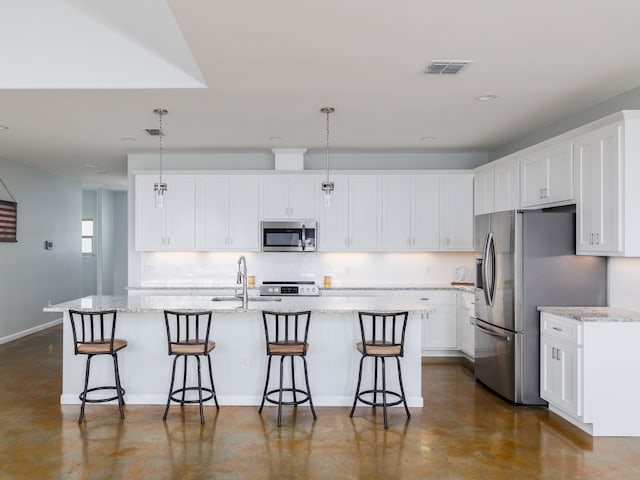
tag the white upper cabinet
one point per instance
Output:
(289, 197)
(351, 222)
(228, 212)
(483, 201)
(456, 231)
(506, 180)
(364, 212)
(547, 176)
(410, 212)
(168, 228)
(599, 214)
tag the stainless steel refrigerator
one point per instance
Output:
(525, 259)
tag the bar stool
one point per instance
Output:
(382, 338)
(94, 334)
(286, 336)
(188, 336)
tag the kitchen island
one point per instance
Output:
(239, 359)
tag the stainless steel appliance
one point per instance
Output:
(525, 259)
(289, 236)
(299, 288)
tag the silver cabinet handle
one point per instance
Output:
(553, 353)
(597, 238)
(557, 329)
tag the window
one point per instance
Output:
(87, 237)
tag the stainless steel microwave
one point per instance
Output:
(297, 236)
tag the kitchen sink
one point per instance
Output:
(251, 299)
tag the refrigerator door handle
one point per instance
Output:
(489, 252)
(492, 333)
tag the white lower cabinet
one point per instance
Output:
(588, 371)
(466, 324)
(439, 325)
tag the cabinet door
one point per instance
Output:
(275, 197)
(598, 207)
(149, 220)
(483, 191)
(396, 212)
(333, 228)
(363, 212)
(213, 213)
(244, 213)
(181, 212)
(440, 328)
(456, 231)
(559, 178)
(302, 197)
(507, 186)
(532, 179)
(560, 375)
(466, 324)
(426, 207)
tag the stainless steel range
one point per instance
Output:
(301, 288)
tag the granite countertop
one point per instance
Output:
(594, 314)
(158, 303)
(439, 286)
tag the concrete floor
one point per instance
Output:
(463, 432)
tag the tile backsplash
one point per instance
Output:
(346, 269)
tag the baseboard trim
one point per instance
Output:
(30, 331)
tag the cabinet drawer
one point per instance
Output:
(437, 297)
(561, 328)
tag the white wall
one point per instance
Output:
(624, 283)
(105, 246)
(346, 269)
(49, 208)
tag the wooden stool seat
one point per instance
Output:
(287, 348)
(192, 347)
(98, 348)
(379, 348)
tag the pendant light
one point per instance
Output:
(160, 187)
(327, 186)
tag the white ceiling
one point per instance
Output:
(79, 75)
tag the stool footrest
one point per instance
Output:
(179, 391)
(391, 403)
(100, 400)
(304, 399)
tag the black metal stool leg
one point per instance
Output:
(293, 381)
(213, 388)
(118, 387)
(280, 392)
(173, 376)
(375, 379)
(306, 379)
(184, 379)
(384, 392)
(86, 384)
(355, 398)
(200, 391)
(404, 398)
(266, 384)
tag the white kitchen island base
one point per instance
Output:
(239, 359)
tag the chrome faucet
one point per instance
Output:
(242, 279)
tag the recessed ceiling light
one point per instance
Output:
(427, 139)
(275, 139)
(91, 165)
(486, 98)
(4, 127)
(128, 139)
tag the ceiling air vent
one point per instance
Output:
(154, 132)
(446, 67)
